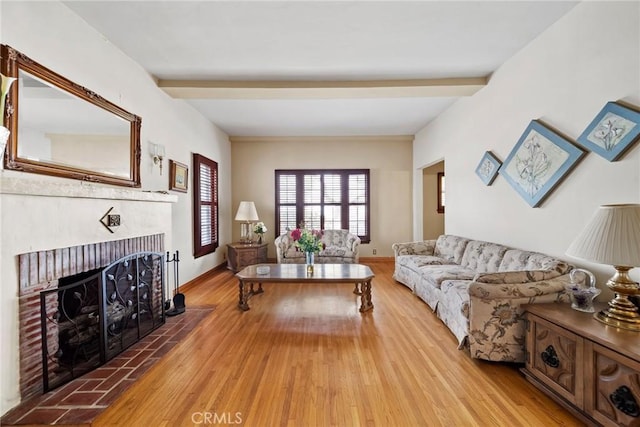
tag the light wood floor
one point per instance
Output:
(304, 356)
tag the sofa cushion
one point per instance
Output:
(336, 251)
(416, 261)
(339, 239)
(523, 276)
(434, 275)
(482, 256)
(450, 248)
(425, 247)
(516, 259)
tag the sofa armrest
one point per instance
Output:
(423, 247)
(353, 243)
(524, 276)
(282, 243)
(496, 321)
(497, 291)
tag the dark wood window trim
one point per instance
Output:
(205, 200)
(441, 190)
(344, 205)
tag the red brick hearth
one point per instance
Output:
(82, 400)
(39, 271)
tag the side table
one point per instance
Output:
(590, 368)
(240, 255)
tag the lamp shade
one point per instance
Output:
(247, 212)
(611, 237)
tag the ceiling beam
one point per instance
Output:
(275, 89)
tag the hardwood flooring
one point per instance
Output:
(305, 356)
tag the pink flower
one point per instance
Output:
(295, 234)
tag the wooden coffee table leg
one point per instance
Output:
(357, 290)
(244, 297)
(366, 296)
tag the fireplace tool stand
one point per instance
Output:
(178, 298)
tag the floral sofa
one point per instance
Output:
(341, 247)
(477, 289)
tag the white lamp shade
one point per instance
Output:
(247, 212)
(611, 237)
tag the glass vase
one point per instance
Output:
(308, 257)
(582, 292)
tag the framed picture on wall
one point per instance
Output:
(612, 132)
(540, 160)
(488, 167)
(178, 176)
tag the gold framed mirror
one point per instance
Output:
(60, 128)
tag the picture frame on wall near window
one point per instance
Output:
(178, 176)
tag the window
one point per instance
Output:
(324, 199)
(440, 192)
(205, 206)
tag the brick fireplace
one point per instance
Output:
(40, 271)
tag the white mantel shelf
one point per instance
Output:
(81, 190)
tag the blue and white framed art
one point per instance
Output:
(487, 170)
(539, 162)
(612, 132)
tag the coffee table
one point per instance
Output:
(358, 274)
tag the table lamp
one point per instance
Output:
(246, 213)
(613, 237)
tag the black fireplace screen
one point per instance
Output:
(88, 322)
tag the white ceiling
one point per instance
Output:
(238, 45)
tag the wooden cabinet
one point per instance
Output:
(240, 255)
(590, 368)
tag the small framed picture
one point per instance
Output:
(178, 176)
(613, 131)
(487, 170)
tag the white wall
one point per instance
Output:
(388, 158)
(51, 34)
(564, 77)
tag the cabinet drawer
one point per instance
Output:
(262, 254)
(556, 359)
(246, 257)
(614, 381)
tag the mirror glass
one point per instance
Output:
(60, 128)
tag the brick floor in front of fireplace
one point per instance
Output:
(83, 399)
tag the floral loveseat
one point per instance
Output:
(341, 247)
(477, 288)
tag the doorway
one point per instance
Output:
(433, 193)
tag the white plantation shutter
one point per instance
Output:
(205, 210)
(323, 199)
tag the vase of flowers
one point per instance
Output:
(309, 242)
(260, 229)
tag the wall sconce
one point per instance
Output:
(247, 213)
(157, 154)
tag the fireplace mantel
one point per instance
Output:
(41, 218)
(83, 190)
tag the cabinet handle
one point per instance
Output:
(550, 357)
(623, 399)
